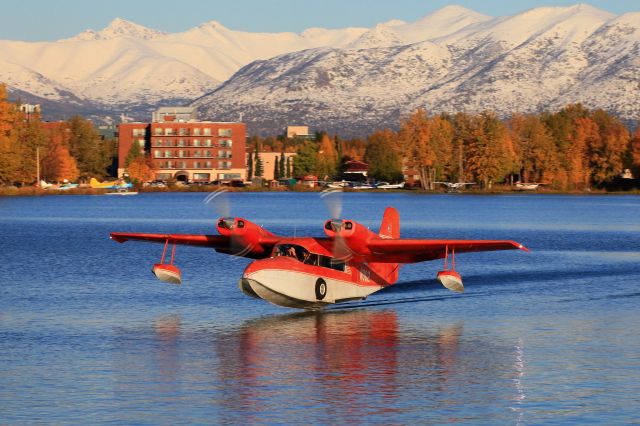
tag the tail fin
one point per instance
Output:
(94, 183)
(390, 226)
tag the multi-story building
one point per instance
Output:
(187, 150)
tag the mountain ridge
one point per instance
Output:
(452, 59)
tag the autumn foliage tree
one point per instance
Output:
(327, 162)
(141, 169)
(58, 164)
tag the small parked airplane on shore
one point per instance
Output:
(349, 263)
(455, 186)
(527, 186)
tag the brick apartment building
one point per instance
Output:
(187, 150)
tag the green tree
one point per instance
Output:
(276, 169)
(135, 151)
(258, 165)
(288, 167)
(85, 145)
(250, 166)
(385, 163)
(282, 172)
(306, 160)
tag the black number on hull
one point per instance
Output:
(321, 289)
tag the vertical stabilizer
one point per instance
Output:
(390, 227)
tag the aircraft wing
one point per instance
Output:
(220, 243)
(412, 251)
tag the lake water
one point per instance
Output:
(88, 335)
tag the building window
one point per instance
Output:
(157, 153)
(139, 132)
(226, 143)
(167, 142)
(169, 164)
(168, 131)
(196, 153)
(183, 164)
(207, 131)
(207, 164)
(167, 154)
(201, 176)
(156, 142)
(228, 175)
(183, 132)
(196, 164)
(196, 132)
(181, 153)
(224, 132)
(141, 143)
(207, 142)
(163, 176)
(196, 142)
(158, 131)
(181, 142)
(207, 153)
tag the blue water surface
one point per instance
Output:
(88, 335)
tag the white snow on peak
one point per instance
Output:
(440, 23)
(118, 28)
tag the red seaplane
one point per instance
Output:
(349, 264)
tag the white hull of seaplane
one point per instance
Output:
(295, 289)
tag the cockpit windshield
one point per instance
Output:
(303, 255)
(292, 250)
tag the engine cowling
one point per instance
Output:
(352, 233)
(245, 236)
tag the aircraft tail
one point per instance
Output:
(389, 229)
(390, 226)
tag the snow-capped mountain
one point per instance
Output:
(350, 79)
(126, 65)
(543, 58)
(118, 28)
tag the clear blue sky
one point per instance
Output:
(53, 19)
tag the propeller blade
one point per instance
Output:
(219, 200)
(333, 200)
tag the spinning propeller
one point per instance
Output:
(221, 204)
(333, 200)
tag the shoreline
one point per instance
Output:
(38, 192)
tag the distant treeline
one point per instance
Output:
(67, 150)
(572, 149)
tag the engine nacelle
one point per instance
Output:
(352, 233)
(244, 235)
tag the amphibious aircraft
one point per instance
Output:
(348, 264)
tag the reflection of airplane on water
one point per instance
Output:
(455, 186)
(349, 264)
(358, 363)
